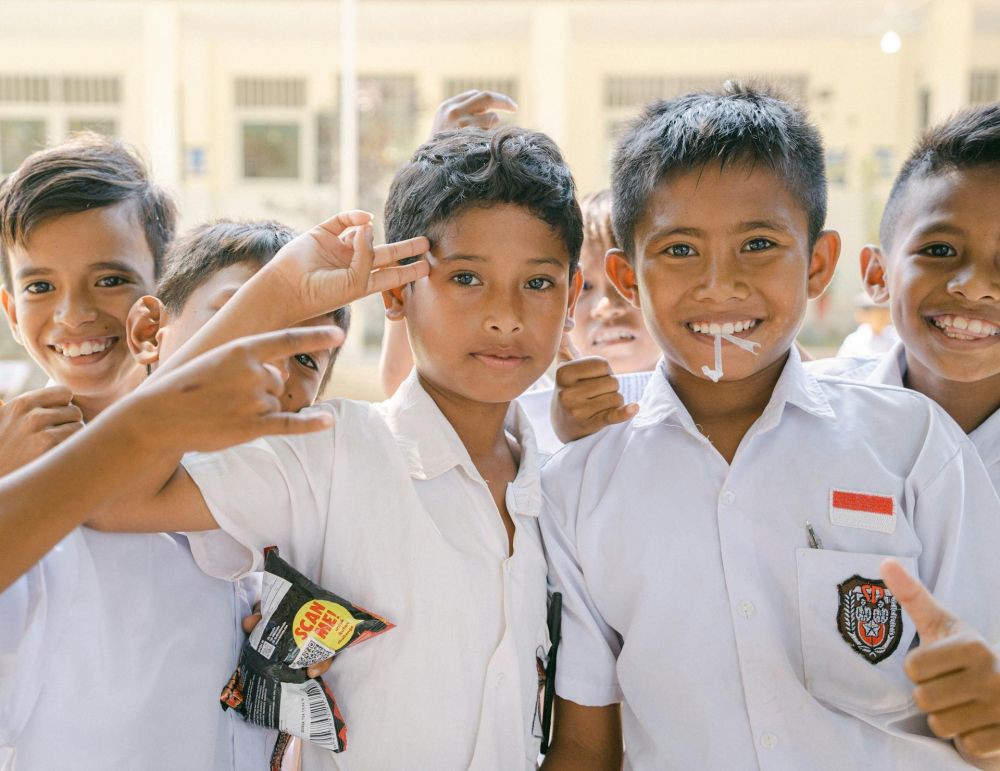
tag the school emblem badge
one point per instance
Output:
(869, 618)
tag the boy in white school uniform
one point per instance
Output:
(719, 556)
(939, 269)
(423, 508)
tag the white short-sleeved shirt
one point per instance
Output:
(864, 342)
(388, 510)
(113, 651)
(890, 369)
(537, 404)
(690, 590)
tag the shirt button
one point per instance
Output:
(729, 497)
(500, 679)
(769, 740)
(747, 610)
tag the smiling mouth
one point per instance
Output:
(964, 327)
(82, 348)
(712, 328)
(612, 336)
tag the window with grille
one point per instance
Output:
(984, 86)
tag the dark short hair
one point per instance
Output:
(598, 224)
(968, 139)
(478, 168)
(740, 123)
(211, 247)
(86, 172)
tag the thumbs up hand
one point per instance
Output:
(586, 397)
(956, 672)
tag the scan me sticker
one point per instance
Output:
(325, 622)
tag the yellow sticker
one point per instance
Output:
(329, 624)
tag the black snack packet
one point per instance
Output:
(302, 624)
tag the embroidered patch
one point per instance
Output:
(869, 618)
(863, 510)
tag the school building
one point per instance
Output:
(294, 109)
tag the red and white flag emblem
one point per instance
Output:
(863, 510)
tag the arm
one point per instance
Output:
(226, 398)
(396, 359)
(585, 738)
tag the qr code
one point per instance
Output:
(266, 650)
(313, 653)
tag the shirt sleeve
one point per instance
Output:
(269, 492)
(957, 519)
(588, 650)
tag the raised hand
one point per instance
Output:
(35, 422)
(956, 672)
(335, 262)
(586, 398)
(471, 108)
(228, 395)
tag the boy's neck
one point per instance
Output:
(726, 410)
(969, 404)
(92, 406)
(479, 425)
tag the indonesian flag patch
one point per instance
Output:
(869, 618)
(863, 510)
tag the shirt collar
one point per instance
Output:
(431, 446)
(986, 437)
(660, 403)
(891, 367)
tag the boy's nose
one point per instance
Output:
(721, 281)
(608, 307)
(76, 310)
(977, 283)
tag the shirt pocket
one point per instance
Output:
(854, 635)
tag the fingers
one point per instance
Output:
(288, 342)
(284, 423)
(249, 622)
(53, 396)
(932, 621)
(389, 278)
(619, 415)
(338, 223)
(481, 101)
(389, 254)
(42, 418)
(945, 693)
(567, 350)
(583, 369)
(948, 656)
(315, 670)
(59, 434)
(982, 743)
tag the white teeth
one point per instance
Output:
(963, 328)
(86, 348)
(728, 328)
(975, 326)
(960, 323)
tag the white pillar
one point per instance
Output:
(161, 104)
(348, 104)
(550, 51)
(947, 55)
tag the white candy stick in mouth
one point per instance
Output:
(715, 375)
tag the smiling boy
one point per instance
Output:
(720, 555)
(424, 507)
(939, 270)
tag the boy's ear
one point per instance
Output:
(395, 303)
(622, 275)
(823, 262)
(873, 273)
(10, 311)
(576, 286)
(142, 329)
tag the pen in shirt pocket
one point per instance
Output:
(814, 540)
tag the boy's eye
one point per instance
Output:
(466, 279)
(112, 281)
(39, 287)
(679, 250)
(539, 283)
(758, 244)
(306, 361)
(587, 286)
(938, 250)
